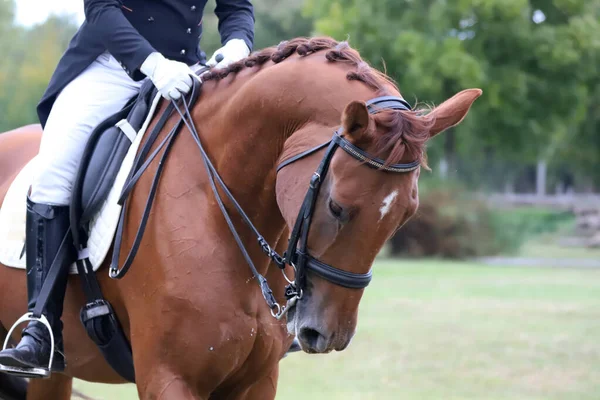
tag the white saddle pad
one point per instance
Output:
(102, 227)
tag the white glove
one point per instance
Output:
(234, 50)
(171, 78)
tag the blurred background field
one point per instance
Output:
(492, 290)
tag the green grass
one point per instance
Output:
(543, 250)
(451, 330)
(547, 244)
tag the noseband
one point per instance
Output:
(297, 254)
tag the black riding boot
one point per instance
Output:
(46, 228)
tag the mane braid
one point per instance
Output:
(405, 132)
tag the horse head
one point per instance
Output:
(365, 194)
(340, 206)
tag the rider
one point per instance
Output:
(120, 44)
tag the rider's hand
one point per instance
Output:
(234, 50)
(171, 78)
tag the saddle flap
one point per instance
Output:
(104, 154)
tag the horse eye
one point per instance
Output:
(335, 209)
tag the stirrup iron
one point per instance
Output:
(30, 372)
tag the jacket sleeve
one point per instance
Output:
(236, 20)
(106, 20)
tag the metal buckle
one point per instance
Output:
(286, 277)
(290, 303)
(115, 273)
(315, 180)
(30, 372)
(275, 314)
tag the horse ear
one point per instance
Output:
(355, 120)
(452, 111)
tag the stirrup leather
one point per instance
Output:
(39, 372)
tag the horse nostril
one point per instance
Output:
(313, 340)
(309, 335)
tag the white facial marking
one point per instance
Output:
(387, 204)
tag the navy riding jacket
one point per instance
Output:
(132, 29)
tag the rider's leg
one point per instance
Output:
(100, 91)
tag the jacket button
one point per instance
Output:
(193, 8)
(182, 52)
(151, 19)
(189, 30)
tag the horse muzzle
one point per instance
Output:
(317, 340)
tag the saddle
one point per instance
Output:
(104, 153)
(97, 183)
(101, 161)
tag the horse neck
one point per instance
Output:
(248, 117)
(244, 122)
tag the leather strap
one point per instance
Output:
(383, 103)
(114, 266)
(337, 276)
(374, 162)
(302, 155)
(214, 178)
(127, 129)
(61, 261)
(374, 106)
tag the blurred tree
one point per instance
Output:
(6, 38)
(29, 58)
(7, 11)
(31, 70)
(536, 60)
(276, 20)
(533, 59)
(30, 55)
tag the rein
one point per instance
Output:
(297, 254)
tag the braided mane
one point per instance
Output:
(338, 52)
(404, 132)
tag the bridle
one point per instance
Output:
(297, 255)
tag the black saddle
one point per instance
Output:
(101, 161)
(104, 153)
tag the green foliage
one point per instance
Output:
(524, 223)
(276, 20)
(29, 58)
(452, 222)
(536, 61)
(449, 223)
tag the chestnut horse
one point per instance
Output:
(197, 321)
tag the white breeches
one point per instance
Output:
(97, 93)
